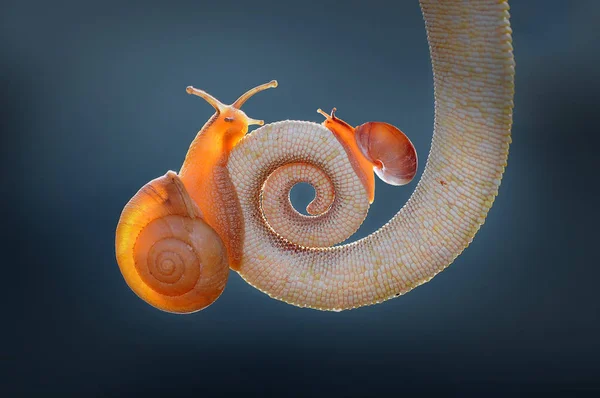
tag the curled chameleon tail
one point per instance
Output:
(229, 205)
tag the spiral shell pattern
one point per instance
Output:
(168, 255)
(390, 150)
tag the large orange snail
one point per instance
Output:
(174, 235)
(229, 205)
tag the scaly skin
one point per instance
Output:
(473, 70)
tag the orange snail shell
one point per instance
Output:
(169, 256)
(393, 155)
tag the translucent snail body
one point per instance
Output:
(375, 146)
(204, 171)
(361, 165)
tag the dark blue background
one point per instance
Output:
(94, 106)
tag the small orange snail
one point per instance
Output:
(375, 146)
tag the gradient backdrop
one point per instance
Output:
(94, 106)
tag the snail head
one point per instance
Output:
(232, 117)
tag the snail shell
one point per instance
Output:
(392, 154)
(169, 256)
